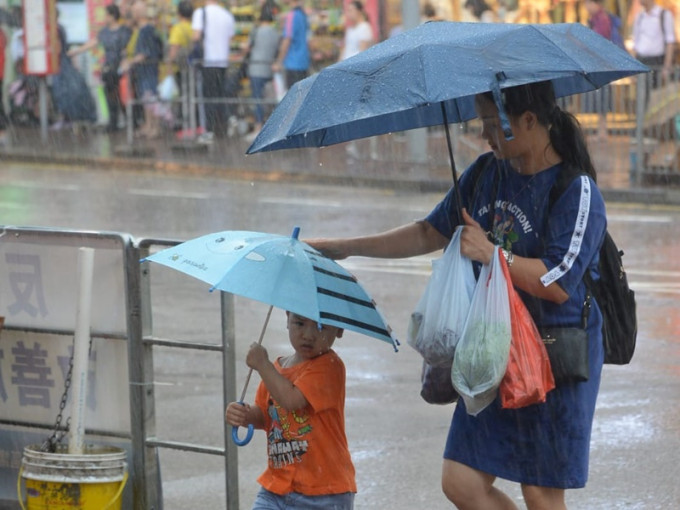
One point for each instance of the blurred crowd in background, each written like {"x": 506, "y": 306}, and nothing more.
{"x": 138, "y": 61}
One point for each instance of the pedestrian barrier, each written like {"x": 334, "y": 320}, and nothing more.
{"x": 93, "y": 480}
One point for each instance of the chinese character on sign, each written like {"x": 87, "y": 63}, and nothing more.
{"x": 26, "y": 284}
{"x": 32, "y": 375}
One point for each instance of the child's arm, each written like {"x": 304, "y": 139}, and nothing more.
{"x": 281, "y": 389}
{"x": 242, "y": 415}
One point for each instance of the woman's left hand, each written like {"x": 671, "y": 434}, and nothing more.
{"x": 473, "y": 241}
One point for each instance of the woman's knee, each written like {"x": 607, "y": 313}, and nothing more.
{"x": 543, "y": 498}
{"x": 462, "y": 484}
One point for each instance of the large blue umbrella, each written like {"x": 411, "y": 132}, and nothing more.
{"x": 430, "y": 75}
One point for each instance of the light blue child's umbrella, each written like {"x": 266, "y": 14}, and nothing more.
{"x": 280, "y": 271}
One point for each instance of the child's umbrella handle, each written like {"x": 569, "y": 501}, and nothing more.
{"x": 249, "y": 435}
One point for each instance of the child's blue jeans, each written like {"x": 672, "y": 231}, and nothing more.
{"x": 266, "y": 500}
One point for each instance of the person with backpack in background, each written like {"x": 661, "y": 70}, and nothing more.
{"x": 654, "y": 40}
{"x": 148, "y": 54}
{"x": 550, "y": 248}
{"x": 602, "y": 22}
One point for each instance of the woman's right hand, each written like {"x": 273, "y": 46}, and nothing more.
{"x": 332, "y": 248}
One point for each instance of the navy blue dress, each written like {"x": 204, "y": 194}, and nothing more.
{"x": 543, "y": 444}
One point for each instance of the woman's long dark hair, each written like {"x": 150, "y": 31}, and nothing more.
{"x": 565, "y": 132}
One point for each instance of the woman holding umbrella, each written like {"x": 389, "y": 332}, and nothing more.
{"x": 549, "y": 249}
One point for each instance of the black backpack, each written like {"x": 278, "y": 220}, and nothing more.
{"x": 612, "y": 293}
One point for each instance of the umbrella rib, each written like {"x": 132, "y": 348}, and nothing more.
{"x": 349, "y": 278}
{"x": 345, "y": 297}
{"x": 363, "y": 325}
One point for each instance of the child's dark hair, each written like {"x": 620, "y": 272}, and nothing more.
{"x": 565, "y": 132}
{"x": 113, "y": 11}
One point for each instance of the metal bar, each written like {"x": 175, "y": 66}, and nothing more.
{"x": 146, "y": 472}
{"x": 229, "y": 395}
{"x": 166, "y": 342}
{"x": 153, "y": 442}
{"x": 62, "y": 428}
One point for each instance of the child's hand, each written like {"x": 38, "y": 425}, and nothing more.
{"x": 257, "y": 356}
{"x": 237, "y": 414}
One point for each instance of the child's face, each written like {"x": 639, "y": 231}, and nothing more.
{"x": 307, "y": 339}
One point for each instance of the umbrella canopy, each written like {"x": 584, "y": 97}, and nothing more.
{"x": 280, "y": 271}
{"x": 430, "y": 75}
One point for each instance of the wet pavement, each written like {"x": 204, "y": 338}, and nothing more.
{"x": 395, "y": 438}
{"x": 381, "y": 162}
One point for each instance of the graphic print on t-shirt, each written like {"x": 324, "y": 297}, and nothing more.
{"x": 508, "y": 222}
{"x": 285, "y": 441}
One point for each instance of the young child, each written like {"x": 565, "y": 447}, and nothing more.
{"x": 300, "y": 403}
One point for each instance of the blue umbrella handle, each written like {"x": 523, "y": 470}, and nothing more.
{"x": 249, "y": 435}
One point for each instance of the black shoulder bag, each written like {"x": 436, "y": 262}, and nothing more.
{"x": 197, "y": 52}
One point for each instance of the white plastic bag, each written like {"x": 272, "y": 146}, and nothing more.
{"x": 167, "y": 89}
{"x": 279, "y": 86}
{"x": 482, "y": 352}
{"x": 438, "y": 319}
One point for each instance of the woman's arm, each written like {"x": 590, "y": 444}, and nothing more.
{"x": 83, "y": 48}
{"x": 408, "y": 240}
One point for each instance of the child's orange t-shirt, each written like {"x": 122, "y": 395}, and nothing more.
{"x": 307, "y": 449}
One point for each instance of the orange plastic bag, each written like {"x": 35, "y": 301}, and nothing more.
{"x": 125, "y": 89}
{"x": 528, "y": 377}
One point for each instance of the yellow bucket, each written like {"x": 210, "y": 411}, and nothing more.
{"x": 93, "y": 480}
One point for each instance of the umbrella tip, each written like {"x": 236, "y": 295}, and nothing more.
{"x": 296, "y": 232}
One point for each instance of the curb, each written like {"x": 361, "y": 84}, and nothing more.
{"x": 655, "y": 195}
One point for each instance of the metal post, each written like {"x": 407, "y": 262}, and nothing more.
{"x": 42, "y": 104}
{"x": 639, "y": 150}
{"x": 130, "y": 121}
{"x": 146, "y": 480}
{"x": 229, "y": 395}
{"x": 192, "y": 99}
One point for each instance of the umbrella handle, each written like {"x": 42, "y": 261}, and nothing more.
{"x": 249, "y": 434}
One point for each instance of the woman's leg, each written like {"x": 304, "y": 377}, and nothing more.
{"x": 470, "y": 489}
{"x": 543, "y": 498}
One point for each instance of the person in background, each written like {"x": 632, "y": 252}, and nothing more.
{"x": 481, "y": 11}
{"x": 71, "y": 95}
{"x": 358, "y": 31}
{"x": 144, "y": 67}
{"x": 654, "y": 39}
{"x": 544, "y": 447}
{"x": 113, "y": 38}
{"x": 264, "y": 45}
{"x": 179, "y": 45}
{"x": 300, "y": 404}
{"x": 294, "y": 57}
{"x": 217, "y": 32}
